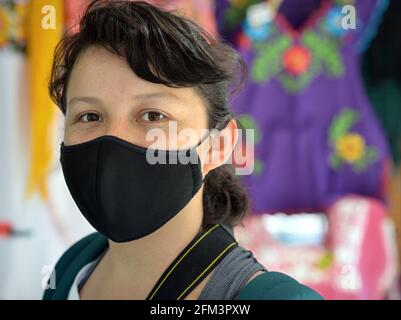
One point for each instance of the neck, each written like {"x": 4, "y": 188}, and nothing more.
{"x": 143, "y": 261}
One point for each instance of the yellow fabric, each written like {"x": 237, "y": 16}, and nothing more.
{"x": 41, "y": 41}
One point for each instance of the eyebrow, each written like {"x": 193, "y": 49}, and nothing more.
{"x": 154, "y": 95}
{"x": 74, "y": 100}
{"x": 143, "y": 96}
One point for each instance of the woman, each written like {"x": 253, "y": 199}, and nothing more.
{"x": 165, "y": 228}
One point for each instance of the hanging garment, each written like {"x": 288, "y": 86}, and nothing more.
{"x": 201, "y": 11}
{"x": 316, "y": 136}
{"x": 12, "y": 130}
{"x": 348, "y": 253}
{"x": 45, "y": 28}
{"x": 73, "y": 10}
{"x": 25, "y": 223}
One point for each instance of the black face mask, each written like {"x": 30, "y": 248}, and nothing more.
{"x": 120, "y": 193}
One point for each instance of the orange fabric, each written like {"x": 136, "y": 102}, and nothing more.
{"x": 45, "y": 27}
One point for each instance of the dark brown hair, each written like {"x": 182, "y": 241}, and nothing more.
{"x": 164, "y": 48}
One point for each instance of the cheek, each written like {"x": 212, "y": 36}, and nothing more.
{"x": 71, "y": 136}
{"x": 75, "y": 135}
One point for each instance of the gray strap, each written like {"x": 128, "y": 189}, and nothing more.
{"x": 232, "y": 273}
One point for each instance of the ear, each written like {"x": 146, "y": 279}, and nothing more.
{"x": 220, "y": 147}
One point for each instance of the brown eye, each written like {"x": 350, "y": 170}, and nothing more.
{"x": 90, "y": 117}
{"x": 152, "y": 116}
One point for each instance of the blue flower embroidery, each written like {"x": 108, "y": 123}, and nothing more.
{"x": 260, "y": 33}
{"x": 333, "y": 22}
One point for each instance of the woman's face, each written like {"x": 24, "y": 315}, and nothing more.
{"x": 105, "y": 97}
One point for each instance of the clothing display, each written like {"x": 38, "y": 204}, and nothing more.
{"x": 30, "y": 232}
{"x": 42, "y": 38}
{"x": 346, "y": 253}
{"x": 317, "y": 137}
{"x": 201, "y": 11}
{"x": 13, "y": 100}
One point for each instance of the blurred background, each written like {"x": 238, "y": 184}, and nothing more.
{"x": 323, "y": 96}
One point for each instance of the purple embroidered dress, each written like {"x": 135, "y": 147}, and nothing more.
{"x": 317, "y": 138}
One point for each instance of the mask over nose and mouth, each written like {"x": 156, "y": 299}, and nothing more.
{"x": 120, "y": 193}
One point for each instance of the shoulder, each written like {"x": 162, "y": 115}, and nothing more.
{"x": 276, "y": 286}
{"x": 84, "y": 246}
{"x": 78, "y": 255}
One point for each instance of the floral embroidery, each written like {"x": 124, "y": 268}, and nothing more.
{"x": 293, "y": 61}
{"x": 333, "y": 22}
{"x": 295, "y": 65}
{"x": 260, "y": 33}
{"x": 349, "y": 147}
{"x": 325, "y": 261}
{"x": 326, "y": 53}
{"x": 243, "y": 41}
{"x": 12, "y": 31}
{"x": 236, "y": 12}
{"x": 263, "y": 67}
{"x": 296, "y": 60}
{"x": 238, "y": 3}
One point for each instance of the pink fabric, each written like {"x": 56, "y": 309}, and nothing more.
{"x": 354, "y": 262}
{"x": 201, "y": 11}
{"x": 73, "y": 12}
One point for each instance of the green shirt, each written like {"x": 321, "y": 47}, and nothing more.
{"x": 266, "y": 286}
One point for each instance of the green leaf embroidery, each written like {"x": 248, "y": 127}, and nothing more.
{"x": 342, "y": 124}
{"x": 268, "y": 61}
{"x": 327, "y": 50}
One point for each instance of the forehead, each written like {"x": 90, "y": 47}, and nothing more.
{"x": 104, "y": 74}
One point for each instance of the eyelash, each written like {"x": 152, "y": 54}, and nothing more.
{"x": 79, "y": 118}
{"x": 163, "y": 117}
